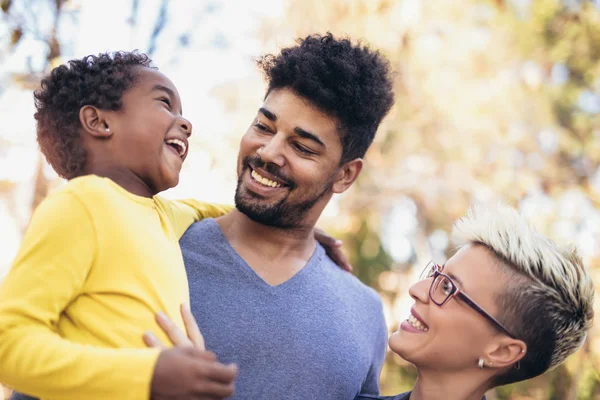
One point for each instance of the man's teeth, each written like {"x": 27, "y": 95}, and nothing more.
{"x": 416, "y": 323}
{"x": 263, "y": 180}
{"x": 180, "y": 144}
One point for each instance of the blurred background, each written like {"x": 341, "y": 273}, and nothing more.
{"x": 496, "y": 100}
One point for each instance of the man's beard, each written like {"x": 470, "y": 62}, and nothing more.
{"x": 281, "y": 214}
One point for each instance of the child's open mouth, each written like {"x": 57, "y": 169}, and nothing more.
{"x": 178, "y": 145}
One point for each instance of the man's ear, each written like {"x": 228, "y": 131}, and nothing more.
{"x": 93, "y": 122}
{"x": 347, "y": 175}
{"x": 506, "y": 353}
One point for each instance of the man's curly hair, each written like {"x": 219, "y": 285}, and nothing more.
{"x": 350, "y": 82}
{"x": 98, "y": 81}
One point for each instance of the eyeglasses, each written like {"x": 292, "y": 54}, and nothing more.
{"x": 443, "y": 289}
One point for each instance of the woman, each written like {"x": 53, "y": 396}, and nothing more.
{"x": 507, "y": 307}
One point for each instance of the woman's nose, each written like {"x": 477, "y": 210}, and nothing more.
{"x": 420, "y": 290}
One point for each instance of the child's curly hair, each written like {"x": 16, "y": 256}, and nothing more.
{"x": 349, "y": 81}
{"x": 98, "y": 81}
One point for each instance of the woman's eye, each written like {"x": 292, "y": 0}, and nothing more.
{"x": 166, "y": 101}
{"x": 447, "y": 288}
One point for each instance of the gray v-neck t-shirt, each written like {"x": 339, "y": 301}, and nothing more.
{"x": 319, "y": 335}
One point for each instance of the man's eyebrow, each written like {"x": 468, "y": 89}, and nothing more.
{"x": 299, "y": 131}
{"x": 167, "y": 90}
{"x": 268, "y": 114}
{"x": 307, "y": 135}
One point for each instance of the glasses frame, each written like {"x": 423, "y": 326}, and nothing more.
{"x": 457, "y": 292}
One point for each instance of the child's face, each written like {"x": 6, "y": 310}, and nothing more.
{"x": 149, "y": 135}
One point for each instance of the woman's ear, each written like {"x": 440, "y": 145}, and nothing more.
{"x": 93, "y": 122}
{"x": 505, "y": 353}
{"x": 347, "y": 175}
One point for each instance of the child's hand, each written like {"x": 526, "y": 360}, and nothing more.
{"x": 189, "y": 373}
{"x": 187, "y": 370}
{"x": 193, "y": 338}
{"x": 333, "y": 249}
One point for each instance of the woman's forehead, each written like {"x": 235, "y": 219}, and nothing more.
{"x": 475, "y": 270}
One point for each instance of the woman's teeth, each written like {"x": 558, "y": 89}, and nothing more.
{"x": 267, "y": 182}
{"x": 416, "y": 323}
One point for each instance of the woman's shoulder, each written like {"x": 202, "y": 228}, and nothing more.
{"x": 401, "y": 396}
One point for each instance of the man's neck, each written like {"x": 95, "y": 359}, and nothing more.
{"x": 275, "y": 254}
{"x": 434, "y": 385}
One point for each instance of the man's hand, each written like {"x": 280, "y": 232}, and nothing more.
{"x": 187, "y": 371}
{"x": 333, "y": 249}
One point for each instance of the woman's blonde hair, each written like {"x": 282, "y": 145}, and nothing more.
{"x": 548, "y": 300}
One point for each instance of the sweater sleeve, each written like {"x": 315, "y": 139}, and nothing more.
{"x": 184, "y": 213}
{"x": 55, "y": 257}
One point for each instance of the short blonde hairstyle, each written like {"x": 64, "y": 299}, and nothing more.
{"x": 548, "y": 302}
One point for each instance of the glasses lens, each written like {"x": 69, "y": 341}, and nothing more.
{"x": 441, "y": 289}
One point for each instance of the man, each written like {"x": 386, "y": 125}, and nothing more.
{"x": 262, "y": 290}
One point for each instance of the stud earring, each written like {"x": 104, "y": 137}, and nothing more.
{"x": 481, "y": 363}
{"x": 107, "y": 129}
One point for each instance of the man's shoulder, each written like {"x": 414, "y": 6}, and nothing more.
{"x": 206, "y": 226}
{"x": 203, "y": 239}
{"x": 350, "y": 284}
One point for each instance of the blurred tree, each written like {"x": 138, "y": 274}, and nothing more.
{"x": 23, "y": 19}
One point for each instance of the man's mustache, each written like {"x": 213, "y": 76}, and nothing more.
{"x": 256, "y": 162}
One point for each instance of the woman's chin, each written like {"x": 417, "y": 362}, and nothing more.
{"x": 404, "y": 345}
{"x": 397, "y": 343}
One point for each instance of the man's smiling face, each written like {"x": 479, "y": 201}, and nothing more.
{"x": 288, "y": 162}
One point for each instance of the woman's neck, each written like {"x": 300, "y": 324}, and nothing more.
{"x": 435, "y": 385}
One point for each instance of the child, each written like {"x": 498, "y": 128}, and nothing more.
{"x": 101, "y": 256}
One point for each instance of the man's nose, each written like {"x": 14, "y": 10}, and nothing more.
{"x": 272, "y": 151}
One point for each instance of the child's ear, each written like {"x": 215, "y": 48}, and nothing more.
{"x": 93, "y": 122}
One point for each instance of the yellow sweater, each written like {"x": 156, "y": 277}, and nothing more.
{"x": 94, "y": 267}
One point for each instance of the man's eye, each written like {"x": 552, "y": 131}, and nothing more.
{"x": 303, "y": 149}
{"x": 261, "y": 127}
{"x": 166, "y": 101}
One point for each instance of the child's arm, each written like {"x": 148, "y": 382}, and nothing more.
{"x": 184, "y": 213}
{"x": 49, "y": 272}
